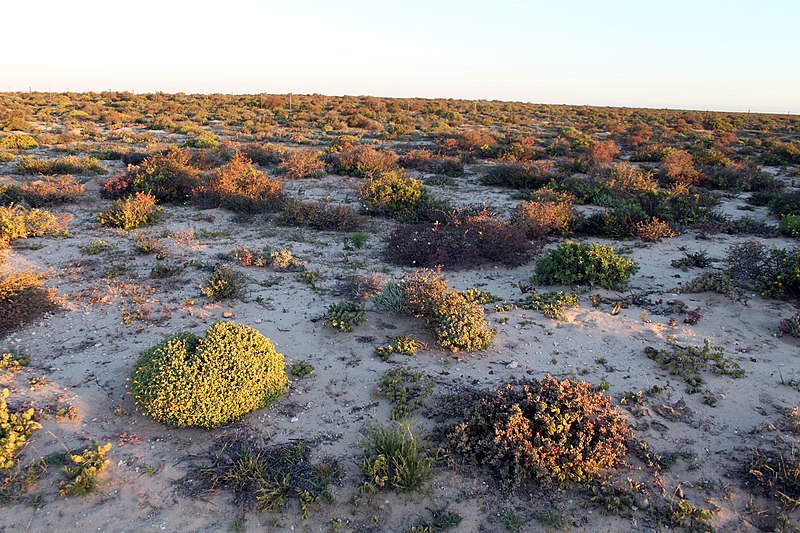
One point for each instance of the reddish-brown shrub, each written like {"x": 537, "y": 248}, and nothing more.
{"x": 548, "y": 212}
{"x": 23, "y": 299}
{"x": 362, "y": 161}
{"x": 425, "y": 161}
{"x": 117, "y": 186}
{"x": 51, "y": 190}
{"x": 241, "y": 187}
{"x": 603, "y": 152}
{"x": 678, "y": 167}
{"x": 654, "y": 230}
{"x": 474, "y": 140}
{"x": 299, "y": 164}
{"x": 543, "y": 429}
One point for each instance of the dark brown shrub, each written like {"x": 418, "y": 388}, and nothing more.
{"x": 466, "y": 238}
{"x": 543, "y": 429}
{"x": 23, "y": 299}
{"x": 264, "y": 154}
{"x": 319, "y": 215}
{"x": 520, "y": 175}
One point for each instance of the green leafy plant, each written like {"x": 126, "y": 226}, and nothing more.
{"x": 82, "y": 475}
{"x": 402, "y": 345}
{"x": 391, "y": 193}
{"x": 345, "y": 315}
{"x": 790, "y": 225}
{"x": 690, "y": 362}
{"x": 546, "y": 428}
{"x": 791, "y": 325}
{"x": 19, "y": 222}
{"x": 301, "y": 370}
{"x": 551, "y": 304}
{"x": 208, "y": 381}
{"x": 405, "y": 390}
{"x": 224, "y": 282}
{"x": 575, "y": 262}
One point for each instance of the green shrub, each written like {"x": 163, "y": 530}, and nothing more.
{"x": 136, "y": 210}
{"x": 168, "y": 176}
{"x": 405, "y": 390}
{"x": 575, "y": 262}
{"x": 392, "y": 194}
{"x": 394, "y": 458}
{"x": 64, "y": 165}
{"x": 773, "y": 272}
{"x": 345, "y": 315}
{"x": 208, "y": 381}
{"x": 204, "y": 139}
{"x": 551, "y": 304}
{"x": 402, "y": 345}
{"x": 15, "y": 428}
{"x": 790, "y": 225}
{"x": 224, "y": 282}
{"x": 689, "y": 362}
{"x": 459, "y": 325}
{"x": 543, "y": 429}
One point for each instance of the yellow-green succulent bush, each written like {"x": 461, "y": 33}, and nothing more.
{"x": 208, "y": 381}
{"x": 15, "y": 428}
{"x": 83, "y": 472}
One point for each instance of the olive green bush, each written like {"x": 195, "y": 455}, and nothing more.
{"x": 576, "y": 262}
{"x": 138, "y": 209}
{"x": 208, "y": 381}
{"x": 15, "y": 428}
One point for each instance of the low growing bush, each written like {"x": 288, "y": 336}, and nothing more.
{"x": 548, "y": 212}
{"x": 392, "y": 194}
{"x": 208, "y": 381}
{"x": 575, "y": 262}
{"x": 543, "y": 429}
{"x": 23, "y": 299}
{"x": 138, "y": 209}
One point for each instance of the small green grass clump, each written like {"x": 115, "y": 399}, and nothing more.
{"x": 394, "y": 458}
{"x": 84, "y": 470}
{"x": 777, "y": 474}
{"x": 576, "y": 262}
{"x": 344, "y": 316}
{"x": 302, "y": 369}
{"x": 269, "y": 477}
{"x": 208, "y": 381}
{"x": 791, "y": 325}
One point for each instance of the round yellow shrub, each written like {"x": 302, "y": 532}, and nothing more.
{"x": 208, "y": 381}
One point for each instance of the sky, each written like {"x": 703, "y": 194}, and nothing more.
{"x": 729, "y": 55}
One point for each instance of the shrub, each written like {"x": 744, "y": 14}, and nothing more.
{"x": 394, "y": 458}
{"x": 65, "y": 165}
{"x": 208, "y": 381}
{"x": 465, "y": 238}
{"x": 300, "y": 164}
{"x": 15, "y": 428}
{"x": 168, "y": 176}
{"x": 17, "y": 141}
{"x": 520, "y": 175}
{"x": 23, "y": 299}
{"x": 543, "y": 429}
{"x": 548, "y": 212}
{"x": 790, "y": 225}
{"x": 773, "y": 272}
{"x": 264, "y": 154}
{"x": 402, "y": 345}
{"x": 689, "y": 362}
{"x": 405, "y": 390}
{"x": 626, "y": 178}
{"x": 678, "y": 167}
{"x": 575, "y": 262}
{"x": 204, "y": 139}
{"x": 241, "y": 187}
{"x": 83, "y": 473}
{"x": 551, "y": 304}
{"x": 138, "y": 209}
{"x": 424, "y": 161}
{"x": 362, "y": 161}
{"x": 345, "y": 315}
{"x": 603, "y": 152}
{"x": 654, "y": 230}
{"x": 225, "y": 282}
{"x": 392, "y": 194}
{"x": 458, "y": 324}
{"x": 51, "y": 190}
{"x": 319, "y": 215}
{"x": 18, "y": 222}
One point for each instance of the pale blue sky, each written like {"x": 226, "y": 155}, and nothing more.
{"x": 701, "y": 54}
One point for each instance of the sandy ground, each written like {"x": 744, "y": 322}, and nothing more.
{"x": 86, "y": 353}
